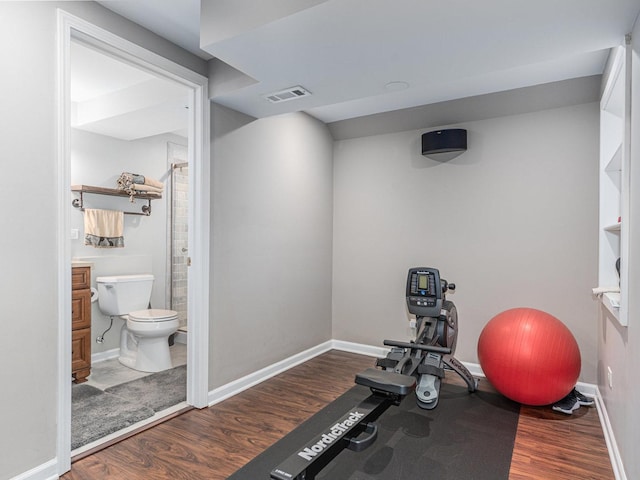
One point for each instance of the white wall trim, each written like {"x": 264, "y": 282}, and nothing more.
{"x": 106, "y": 355}
{"x": 609, "y": 437}
{"x": 63, "y": 440}
{"x": 46, "y": 471}
{"x": 374, "y": 351}
{"x": 233, "y": 388}
{"x": 70, "y": 26}
{"x": 474, "y": 369}
{"x": 589, "y": 389}
{"x": 362, "y": 349}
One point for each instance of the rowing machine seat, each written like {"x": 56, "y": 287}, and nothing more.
{"x": 386, "y": 381}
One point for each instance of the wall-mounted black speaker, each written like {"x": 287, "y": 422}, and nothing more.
{"x": 444, "y": 141}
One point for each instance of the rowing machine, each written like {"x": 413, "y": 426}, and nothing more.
{"x": 436, "y": 326}
{"x": 421, "y": 362}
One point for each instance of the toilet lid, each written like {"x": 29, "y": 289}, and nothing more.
{"x": 153, "y": 315}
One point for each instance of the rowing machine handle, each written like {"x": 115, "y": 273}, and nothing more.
{"x": 360, "y": 444}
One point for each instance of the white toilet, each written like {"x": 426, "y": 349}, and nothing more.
{"x": 144, "y": 339}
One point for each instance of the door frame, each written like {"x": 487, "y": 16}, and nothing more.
{"x": 68, "y": 27}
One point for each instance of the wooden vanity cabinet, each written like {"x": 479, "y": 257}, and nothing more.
{"x": 80, "y": 323}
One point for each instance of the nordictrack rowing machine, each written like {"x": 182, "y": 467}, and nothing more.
{"x": 421, "y": 362}
{"x": 432, "y": 352}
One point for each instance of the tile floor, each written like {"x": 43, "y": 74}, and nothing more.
{"x": 111, "y": 372}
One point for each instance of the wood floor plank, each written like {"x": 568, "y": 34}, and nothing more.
{"x": 554, "y": 445}
{"x": 214, "y": 442}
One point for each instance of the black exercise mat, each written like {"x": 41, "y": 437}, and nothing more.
{"x": 467, "y": 436}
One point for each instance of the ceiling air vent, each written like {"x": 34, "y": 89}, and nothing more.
{"x": 290, "y": 93}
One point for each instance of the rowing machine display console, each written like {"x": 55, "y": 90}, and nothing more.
{"x": 424, "y": 292}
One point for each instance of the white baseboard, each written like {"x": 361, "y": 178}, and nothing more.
{"x": 106, "y": 355}
{"x": 589, "y": 389}
{"x": 380, "y": 352}
{"x": 609, "y": 437}
{"x": 46, "y": 471}
{"x": 181, "y": 337}
{"x": 359, "y": 348}
{"x": 233, "y": 388}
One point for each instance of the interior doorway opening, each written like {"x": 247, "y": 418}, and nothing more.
{"x": 124, "y": 121}
{"x": 76, "y": 29}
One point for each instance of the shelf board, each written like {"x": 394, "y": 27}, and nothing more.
{"x": 611, "y": 301}
{"x": 612, "y": 228}
{"x": 615, "y": 163}
{"x": 111, "y": 191}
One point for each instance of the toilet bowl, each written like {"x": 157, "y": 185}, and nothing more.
{"x": 144, "y": 344}
{"x": 144, "y": 338}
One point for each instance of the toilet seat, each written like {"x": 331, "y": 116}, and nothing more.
{"x": 153, "y": 315}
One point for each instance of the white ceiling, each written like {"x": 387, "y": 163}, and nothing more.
{"x": 113, "y": 98}
{"x": 347, "y": 52}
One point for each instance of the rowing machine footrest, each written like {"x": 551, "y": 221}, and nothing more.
{"x": 386, "y": 381}
{"x": 431, "y": 370}
{"x": 360, "y": 444}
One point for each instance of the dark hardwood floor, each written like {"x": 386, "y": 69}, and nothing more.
{"x": 214, "y": 442}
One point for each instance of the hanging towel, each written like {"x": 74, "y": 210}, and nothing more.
{"x": 103, "y": 228}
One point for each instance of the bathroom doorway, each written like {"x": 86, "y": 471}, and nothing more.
{"x": 125, "y": 121}
{"x": 72, "y": 30}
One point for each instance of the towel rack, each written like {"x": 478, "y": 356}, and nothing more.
{"x": 82, "y": 189}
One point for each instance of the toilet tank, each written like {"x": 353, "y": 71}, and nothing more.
{"x": 121, "y": 294}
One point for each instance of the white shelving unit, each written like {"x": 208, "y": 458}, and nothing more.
{"x": 615, "y": 114}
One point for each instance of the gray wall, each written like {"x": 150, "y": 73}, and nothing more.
{"x": 619, "y": 347}
{"x": 512, "y": 221}
{"x": 28, "y": 192}
{"x": 29, "y": 293}
{"x": 271, "y": 240}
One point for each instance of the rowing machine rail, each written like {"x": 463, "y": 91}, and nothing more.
{"x": 388, "y": 389}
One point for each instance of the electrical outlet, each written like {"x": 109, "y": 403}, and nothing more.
{"x": 610, "y": 377}
{"x": 74, "y": 234}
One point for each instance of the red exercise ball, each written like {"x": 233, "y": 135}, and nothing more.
{"x": 529, "y": 356}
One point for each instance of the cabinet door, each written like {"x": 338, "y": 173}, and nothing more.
{"x": 80, "y": 309}
{"x": 81, "y": 353}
